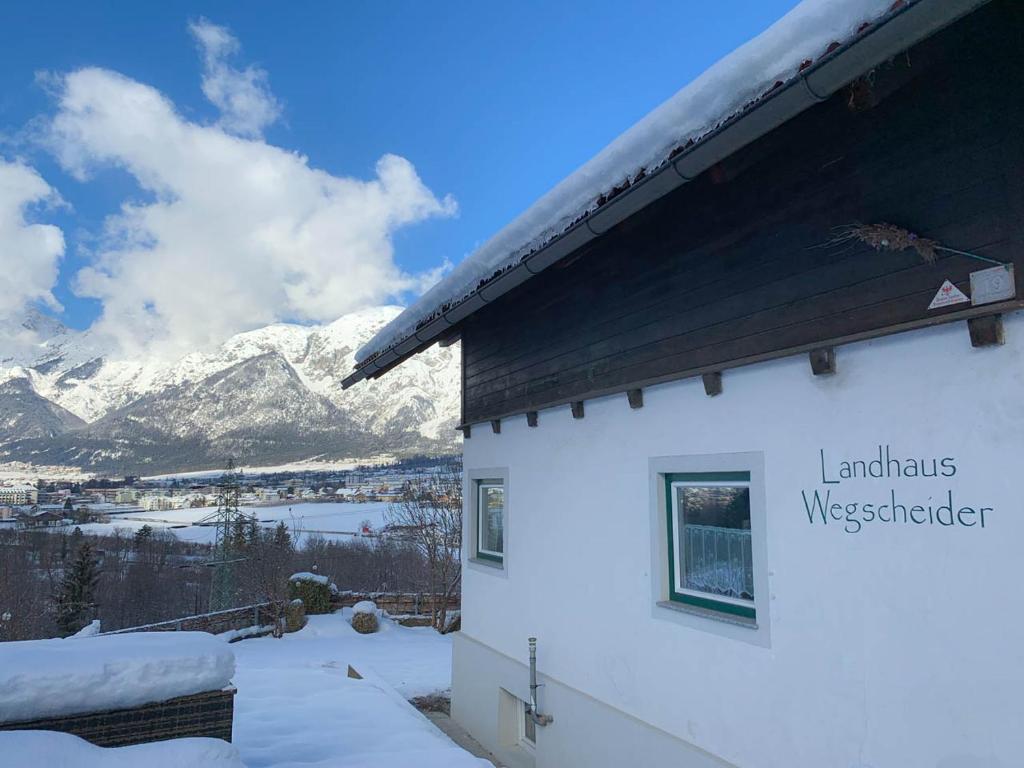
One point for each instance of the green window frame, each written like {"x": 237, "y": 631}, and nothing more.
{"x": 481, "y": 550}
{"x": 707, "y": 601}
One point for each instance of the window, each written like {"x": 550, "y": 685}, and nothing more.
{"x": 709, "y": 542}
{"x": 490, "y": 520}
{"x": 528, "y": 728}
{"x": 516, "y": 729}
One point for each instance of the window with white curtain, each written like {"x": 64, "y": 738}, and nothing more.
{"x": 709, "y": 541}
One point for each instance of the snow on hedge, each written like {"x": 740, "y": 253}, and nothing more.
{"x": 48, "y": 678}
{"x": 365, "y": 606}
{"x": 48, "y": 749}
{"x": 306, "y": 576}
{"x": 742, "y": 77}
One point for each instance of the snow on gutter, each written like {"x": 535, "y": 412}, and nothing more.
{"x": 674, "y": 144}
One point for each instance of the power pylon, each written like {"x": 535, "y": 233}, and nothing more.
{"x": 231, "y": 526}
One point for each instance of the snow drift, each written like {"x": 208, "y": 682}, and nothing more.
{"x": 48, "y": 749}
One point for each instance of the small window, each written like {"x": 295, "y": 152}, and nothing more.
{"x": 490, "y": 520}
{"x": 528, "y": 731}
{"x": 516, "y": 728}
{"x": 709, "y": 542}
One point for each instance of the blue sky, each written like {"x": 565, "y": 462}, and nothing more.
{"x": 492, "y": 104}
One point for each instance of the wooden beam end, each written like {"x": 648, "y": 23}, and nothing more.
{"x": 531, "y": 418}
{"x": 712, "y": 383}
{"x": 635, "y": 397}
{"x": 496, "y": 426}
{"x": 823, "y": 361}
{"x": 451, "y": 338}
{"x": 986, "y": 331}
{"x": 577, "y": 409}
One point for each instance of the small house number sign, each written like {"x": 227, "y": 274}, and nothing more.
{"x": 994, "y": 284}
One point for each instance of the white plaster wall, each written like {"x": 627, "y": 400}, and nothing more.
{"x": 587, "y": 733}
{"x": 899, "y": 646}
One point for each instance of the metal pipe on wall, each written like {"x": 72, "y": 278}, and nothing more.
{"x": 533, "y": 711}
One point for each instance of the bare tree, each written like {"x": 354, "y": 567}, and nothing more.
{"x": 26, "y": 610}
{"x": 367, "y": 564}
{"x": 150, "y": 578}
{"x": 269, "y": 561}
{"x": 429, "y": 516}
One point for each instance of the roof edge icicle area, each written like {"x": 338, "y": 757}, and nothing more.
{"x": 775, "y": 76}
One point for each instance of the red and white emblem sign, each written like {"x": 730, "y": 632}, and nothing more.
{"x": 948, "y": 295}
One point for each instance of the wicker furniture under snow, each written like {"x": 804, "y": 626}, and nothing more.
{"x": 119, "y": 690}
{"x": 202, "y": 714}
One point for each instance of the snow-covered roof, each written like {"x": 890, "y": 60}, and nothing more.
{"x": 789, "y": 51}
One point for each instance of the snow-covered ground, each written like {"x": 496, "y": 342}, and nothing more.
{"x": 310, "y": 465}
{"x": 332, "y": 520}
{"x": 46, "y": 749}
{"x": 297, "y": 707}
{"x": 21, "y": 472}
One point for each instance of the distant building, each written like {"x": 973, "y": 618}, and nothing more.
{"x": 126, "y": 496}
{"x": 40, "y": 518}
{"x": 161, "y": 503}
{"x": 18, "y": 494}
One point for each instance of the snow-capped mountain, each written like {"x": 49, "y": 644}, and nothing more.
{"x": 23, "y": 413}
{"x": 264, "y": 396}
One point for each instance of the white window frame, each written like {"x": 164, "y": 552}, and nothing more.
{"x": 481, "y": 487}
{"x": 471, "y": 478}
{"x": 678, "y": 564}
{"x": 524, "y": 740}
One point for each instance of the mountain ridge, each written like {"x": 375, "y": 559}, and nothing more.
{"x": 264, "y": 396}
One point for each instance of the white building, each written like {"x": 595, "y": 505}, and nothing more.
{"x": 742, "y": 451}
{"x": 158, "y": 503}
{"x": 18, "y": 494}
{"x": 126, "y": 496}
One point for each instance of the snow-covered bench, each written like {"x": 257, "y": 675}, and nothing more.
{"x": 117, "y": 690}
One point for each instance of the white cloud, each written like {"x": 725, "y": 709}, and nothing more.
{"x": 30, "y": 253}
{"x": 242, "y": 95}
{"x": 235, "y": 233}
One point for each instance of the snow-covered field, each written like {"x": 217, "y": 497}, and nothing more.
{"x": 310, "y": 465}
{"x": 332, "y": 520}
{"x": 296, "y": 706}
{"x": 20, "y": 472}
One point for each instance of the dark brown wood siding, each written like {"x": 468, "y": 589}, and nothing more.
{"x": 739, "y": 264}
